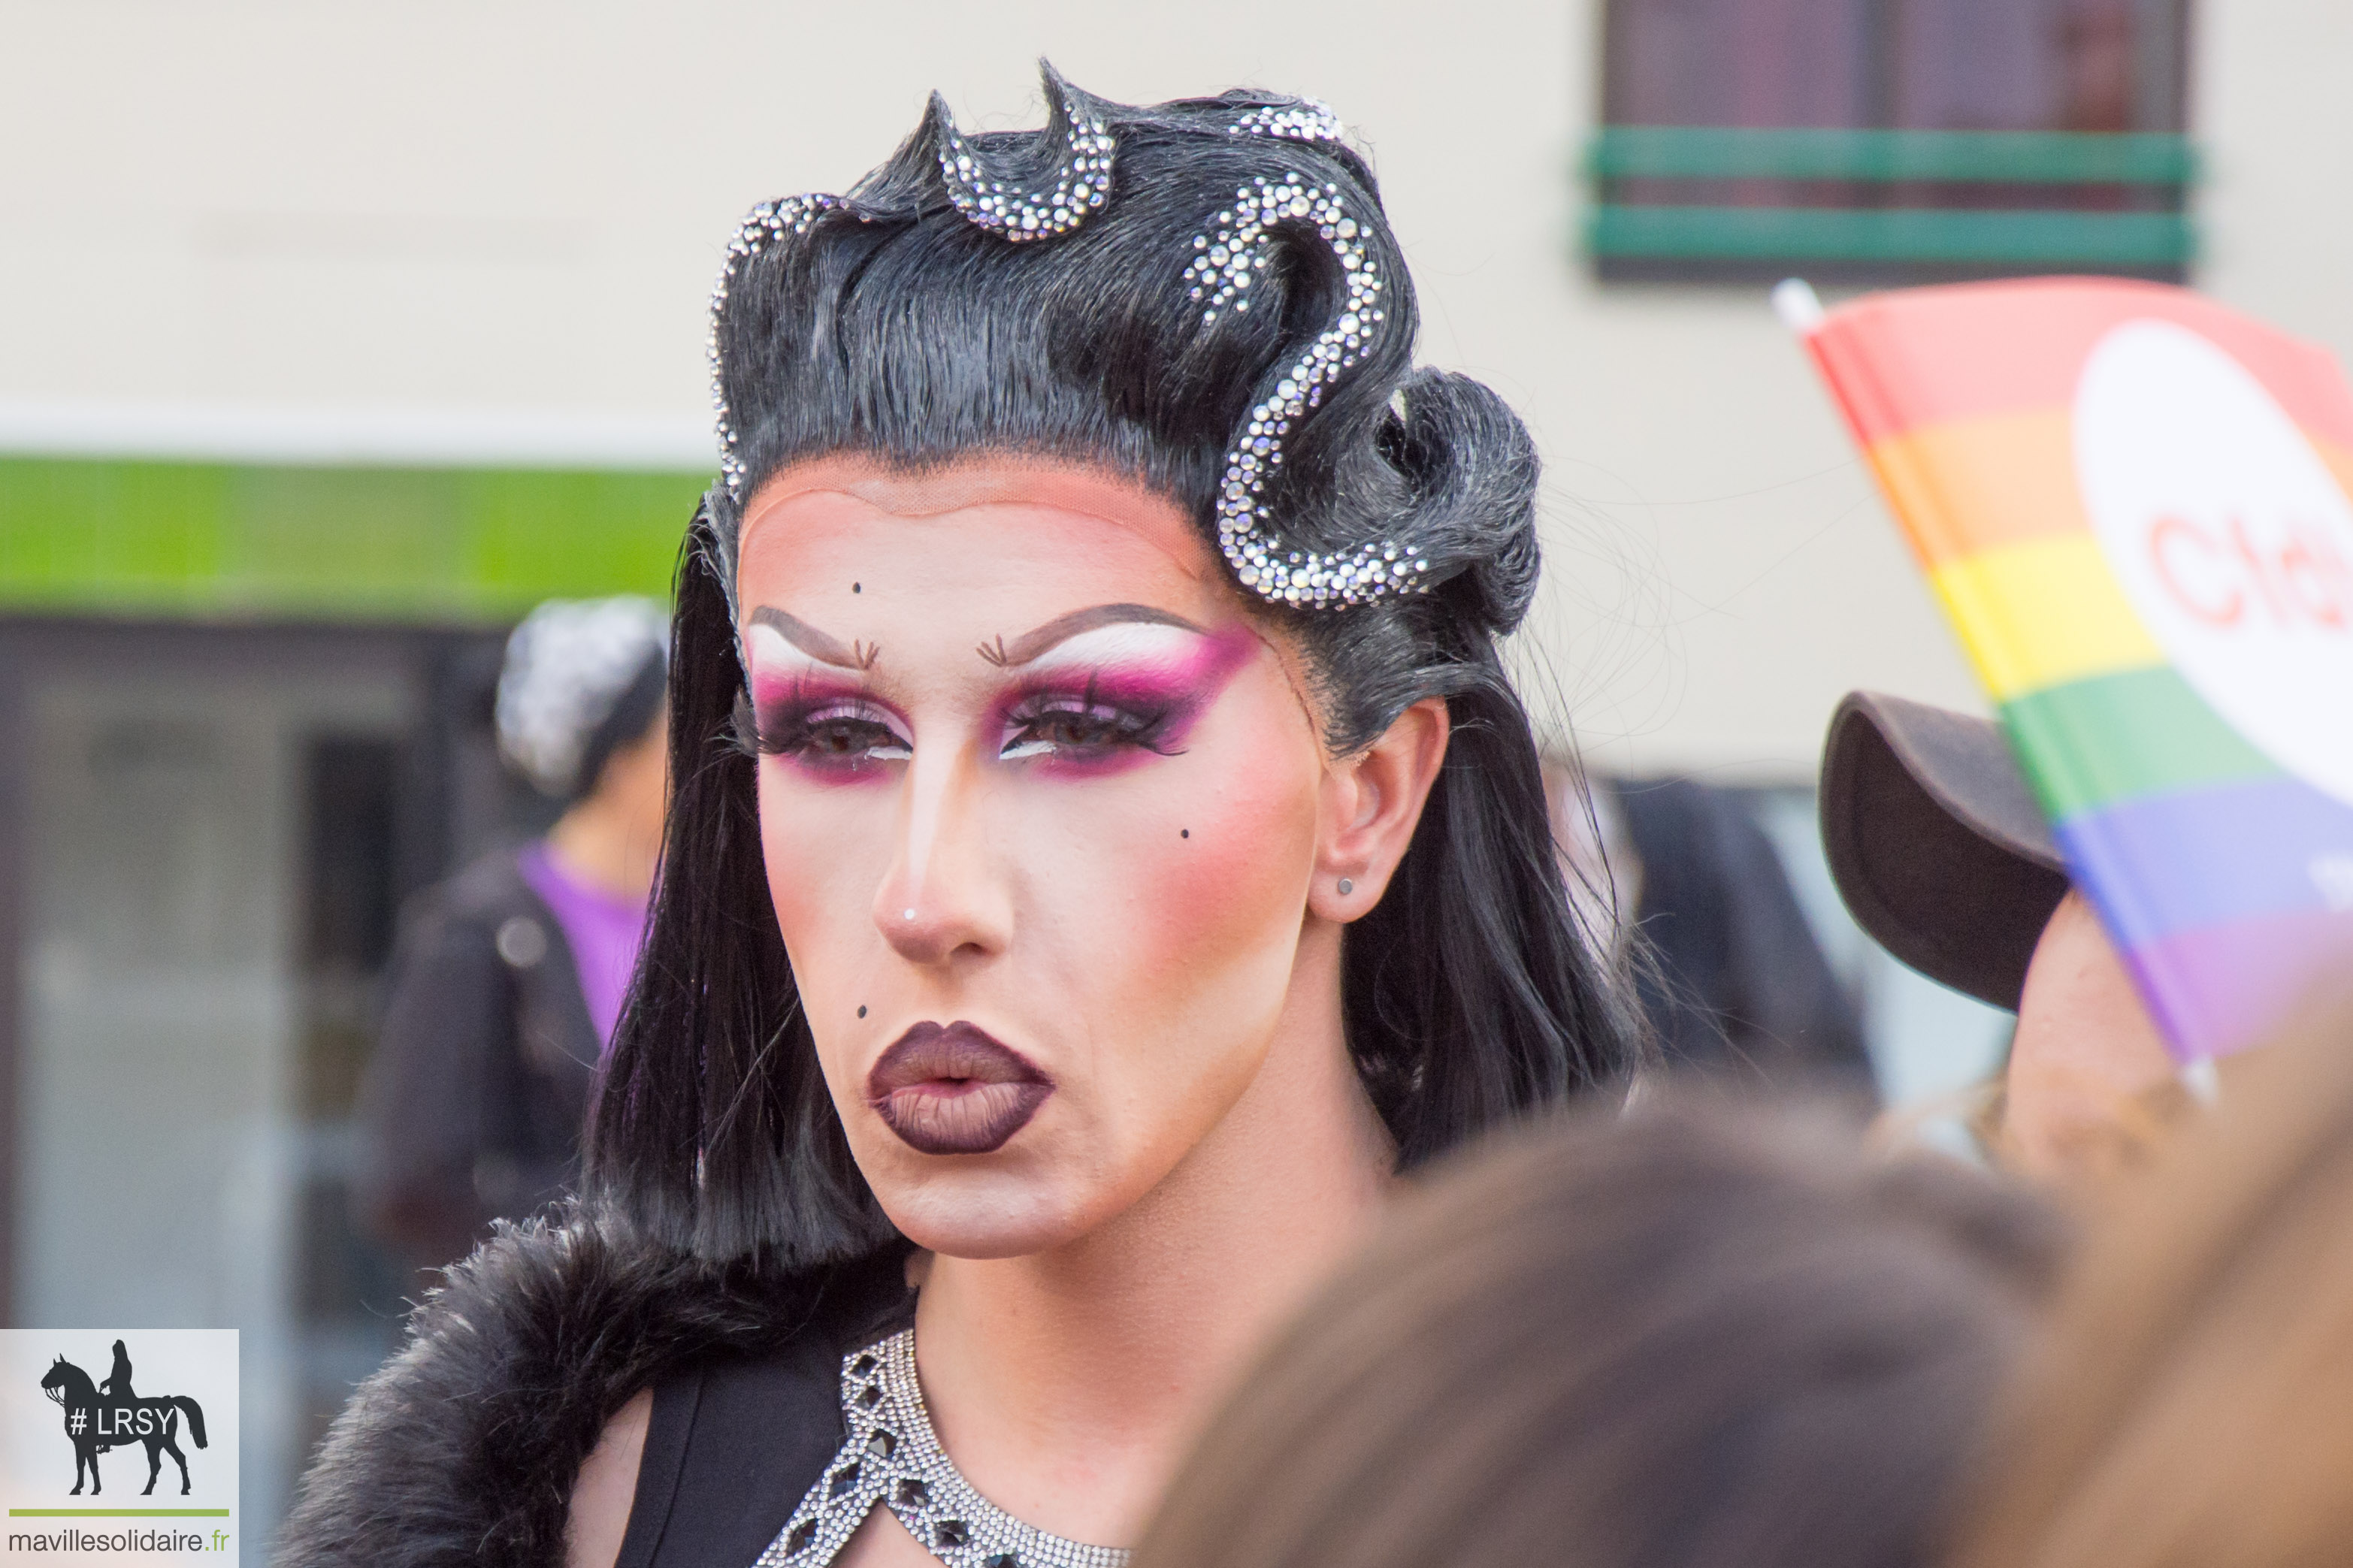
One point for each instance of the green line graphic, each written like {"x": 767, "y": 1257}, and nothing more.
{"x": 118, "y": 1513}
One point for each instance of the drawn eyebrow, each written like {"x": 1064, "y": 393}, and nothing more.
{"x": 815, "y": 642}
{"x": 1062, "y": 628}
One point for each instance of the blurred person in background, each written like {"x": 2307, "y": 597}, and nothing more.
{"x": 1703, "y": 1334}
{"x": 2192, "y": 1403}
{"x": 1942, "y": 854}
{"x": 1105, "y": 848}
{"x": 509, "y": 976}
{"x": 1730, "y": 976}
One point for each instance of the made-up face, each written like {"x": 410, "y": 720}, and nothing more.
{"x": 1042, "y": 806}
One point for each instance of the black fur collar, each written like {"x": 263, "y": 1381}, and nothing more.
{"x": 463, "y": 1448}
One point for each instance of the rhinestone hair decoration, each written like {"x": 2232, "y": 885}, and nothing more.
{"x": 768, "y": 223}
{"x": 1306, "y": 120}
{"x": 1081, "y": 182}
{"x": 893, "y": 1457}
{"x": 1225, "y": 265}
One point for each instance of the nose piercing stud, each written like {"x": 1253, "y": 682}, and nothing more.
{"x": 1346, "y": 886}
{"x": 909, "y": 915}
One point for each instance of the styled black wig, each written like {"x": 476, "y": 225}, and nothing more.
{"x": 1204, "y": 296}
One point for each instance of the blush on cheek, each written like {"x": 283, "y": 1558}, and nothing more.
{"x": 1227, "y": 880}
{"x": 1229, "y": 860}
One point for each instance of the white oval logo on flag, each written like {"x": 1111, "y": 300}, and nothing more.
{"x": 2230, "y": 536}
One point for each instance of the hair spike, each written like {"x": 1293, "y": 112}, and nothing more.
{"x": 1019, "y": 202}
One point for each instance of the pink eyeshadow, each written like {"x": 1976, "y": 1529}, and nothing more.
{"x": 1194, "y": 679}
{"x": 1183, "y": 686}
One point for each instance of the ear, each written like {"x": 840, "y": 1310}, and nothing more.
{"x": 1372, "y": 803}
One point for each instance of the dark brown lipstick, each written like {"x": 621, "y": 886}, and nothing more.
{"x": 952, "y": 1090}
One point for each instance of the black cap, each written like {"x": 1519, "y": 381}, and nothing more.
{"x": 1936, "y": 843}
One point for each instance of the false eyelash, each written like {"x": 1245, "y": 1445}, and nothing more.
{"x": 1131, "y": 725}
{"x": 746, "y": 738}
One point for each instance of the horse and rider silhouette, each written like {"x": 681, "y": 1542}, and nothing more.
{"x": 112, "y": 1416}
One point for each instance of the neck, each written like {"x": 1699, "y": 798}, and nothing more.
{"x": 1065, "y": 1384}
{"x": 602, "y": 843}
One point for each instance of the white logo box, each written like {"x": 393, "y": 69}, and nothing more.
{"x": 181, "y": 1384}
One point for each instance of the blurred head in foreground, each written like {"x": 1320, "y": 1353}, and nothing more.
{"x": 1682, "y": 1339}
{"x": 2194, "y": 1402}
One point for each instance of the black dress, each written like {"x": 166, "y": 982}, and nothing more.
{"x": 734, "y": 1443}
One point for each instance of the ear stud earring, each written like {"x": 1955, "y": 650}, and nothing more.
{"x": 1346, "y": 886}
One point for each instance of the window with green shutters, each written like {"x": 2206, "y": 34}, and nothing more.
{"x": 1891, "y": 140}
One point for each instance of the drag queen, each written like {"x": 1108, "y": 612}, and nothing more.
{"x": 1105, "y": 852}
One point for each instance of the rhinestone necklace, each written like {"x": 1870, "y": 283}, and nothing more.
{"x": 893, "y": 1457}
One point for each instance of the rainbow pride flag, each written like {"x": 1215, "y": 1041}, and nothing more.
{"x": 2133, "y": 504}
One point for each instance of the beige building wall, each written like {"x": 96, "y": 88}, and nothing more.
{"x": 2274, "y": 119}
{"x": 518, "y": 207}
